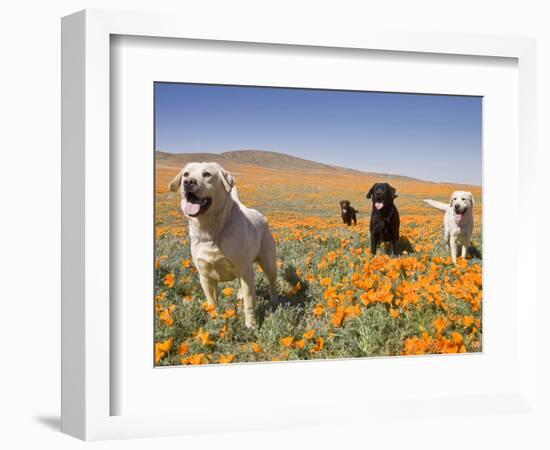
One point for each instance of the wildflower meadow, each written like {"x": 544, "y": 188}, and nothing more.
{"x": 336, "y": 300}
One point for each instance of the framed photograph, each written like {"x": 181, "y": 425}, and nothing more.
{"x": 354, "y": 258}
{"x": 255, "y": 220}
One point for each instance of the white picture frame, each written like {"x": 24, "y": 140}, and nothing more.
{"x": 86, "y": 221}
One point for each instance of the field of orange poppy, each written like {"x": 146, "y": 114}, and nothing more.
{"x": 336, "y": 299}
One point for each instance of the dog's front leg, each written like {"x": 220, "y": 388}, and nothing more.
{"x": 465, "y": 246}
{"x": 394, "y": 248}
{"x": 373, "y": 244}
{"x": 452, "y": 248}
{"x": 209, "y": 288}
{"x": 249, "y": 297}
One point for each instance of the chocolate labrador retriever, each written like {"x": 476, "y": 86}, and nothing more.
{"x": 384, "y": 220}
{"x": 348, "y": 212}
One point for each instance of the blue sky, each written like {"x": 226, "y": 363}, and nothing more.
{"x": 431, "y": 137}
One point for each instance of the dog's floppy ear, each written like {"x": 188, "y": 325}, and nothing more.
{"x": 342, "y": 203}
{"x": 227, "y": 179}
{"x": 176, "y": 182}
{"x": 393, "y": 191}
{"x": 471, "y": 198}
{"x": 369, "y": 194}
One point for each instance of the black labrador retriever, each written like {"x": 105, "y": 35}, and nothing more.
{"x": 348, "y": 212}
{"x": 384, "y": 220}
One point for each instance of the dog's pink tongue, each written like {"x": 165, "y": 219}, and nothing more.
{"x": 379, "y": 205}
{"x": 191, "y": 208}
{"x": 458, "y": 217}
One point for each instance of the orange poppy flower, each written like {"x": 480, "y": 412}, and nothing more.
{"x": 319, "y": 310}
{"x": 223, "y": 332}
{"x": 169, "y": 280}
{"x": 229, "y": 314}
{"x": 161, "y": 348}
{"x": 166, "y": 345}
{"x": 183, "y": 348}
{"x": 287, "y": 341}
{"x": 204, "y": 337}
{"x": 228, "y": 291}
{"x": 338, "y": 317}
{"x": 457, "y": 338}
{"x": 210, "y": 309}
{"x": 195, "y": 360}
{"x": 226, "y": 359}
{"x": 319, "y": 344}
{"x": 256, "y": 348}
{"x": 440, "y": 324}
{"x": 309, "y": 334}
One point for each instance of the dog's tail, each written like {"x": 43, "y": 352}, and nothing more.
{"x": 437, "y": 205}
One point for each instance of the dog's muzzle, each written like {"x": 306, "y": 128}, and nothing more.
{"x": 194, "y": 205}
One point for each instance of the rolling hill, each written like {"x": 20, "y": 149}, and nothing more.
{"x": 233, "y": 160}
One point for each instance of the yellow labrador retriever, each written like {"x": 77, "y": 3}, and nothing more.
{"x": 226, "y": 237}
{"x": 458, "y": 221}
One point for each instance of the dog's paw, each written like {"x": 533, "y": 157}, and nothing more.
{"x": 250, "y": 322}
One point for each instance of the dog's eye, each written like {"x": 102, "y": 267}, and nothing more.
{"x": 186, "y": 174}
{"x": 463, "y": 199}
{"x": 454, "y": 198}
{"x": 206, "y": 174}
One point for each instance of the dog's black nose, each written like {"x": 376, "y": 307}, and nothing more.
{"x": 189, "y": 183}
